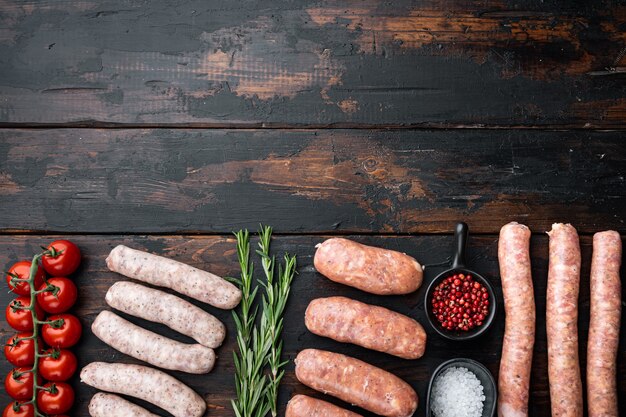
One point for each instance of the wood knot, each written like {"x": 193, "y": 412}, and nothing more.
{"x": 370, "y": 164}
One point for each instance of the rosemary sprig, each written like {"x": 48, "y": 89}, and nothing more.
{"x": 274, "y": 301}
{"x": 258, "y": 365}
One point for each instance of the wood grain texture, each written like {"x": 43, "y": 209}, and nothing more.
{"x": 172, "y": 181}
{"x": 283, "y": 62}
{"x": 217, "y": 253}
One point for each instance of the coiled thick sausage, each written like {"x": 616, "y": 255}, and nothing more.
{"x": 604, "y": 324}
{"x": 356, "y": 382}
{"x": 375, "y": 270}
{"x": 150, "y": 347}
{"x": 372, "y": 327}
{"x": 519, "y": 332}
{"x": 145, "y": 383}
{"x": 170, "y": 310}
{"x": 566, "y": 394}
{"x": 305, "y": 406}
{"x": 163, "y": 272}
{"x": 109, "y": 405}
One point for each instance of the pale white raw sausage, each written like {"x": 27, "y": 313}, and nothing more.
{"x": 109, "y": 405}
{"x": 150, "y": 347}
{"x": 170, "y": 310}
{"x": 180, "y": 277}
{"x": 145, "y": 383}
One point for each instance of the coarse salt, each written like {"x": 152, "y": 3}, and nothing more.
{"x": 457, "y": 392}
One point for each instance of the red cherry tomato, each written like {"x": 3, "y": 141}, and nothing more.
{"x": 21, "y": 271}
{"x": 20, "y": 318}
{"x": 60, "y": 366}
{"x": 16, "y": 409}
{"x": 55, "y": 398}
{"x": 20, "y": 351}
{"x": 64, "y": 333}
{"x": 63, "y": 258}
{"x": 19, "y": 384}
{"x": 61, "y": 298}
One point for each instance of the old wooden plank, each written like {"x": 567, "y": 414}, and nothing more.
{"x": 300, "y": 62}
{"x": 309, "y": 181}
{"x": 217, "y": 253}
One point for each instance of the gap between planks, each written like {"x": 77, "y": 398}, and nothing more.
{"x": 337, "y": 126}
{"x": 18, "y": 233}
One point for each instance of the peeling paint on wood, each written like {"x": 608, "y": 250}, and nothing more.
{"x": 363, "y": 181}
{"x": 310, "y": 63}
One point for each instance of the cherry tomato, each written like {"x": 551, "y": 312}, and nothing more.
{"x": 19, "y": 384}
{"x": 63, "y": 259}
{"x": 21, "y": 271}
{"x": 55, "y": 398}
{"x": 61, "y": 298}
{"x": 63, "y": 334}
{"x": 16, "y": 409}
{"x": 20, "y": 351}
{"x": 60, "y": 366}
{"x": 20, "y": 318}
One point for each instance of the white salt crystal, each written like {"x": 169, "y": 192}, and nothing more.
{"x": 457, "y": 392}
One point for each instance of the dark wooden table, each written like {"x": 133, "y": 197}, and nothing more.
{"x": 166, "y": 125}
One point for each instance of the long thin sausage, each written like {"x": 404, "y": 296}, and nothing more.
{"x": 604, "y": 324}
{"x": 519, "y": 332}
{"x": 170, "y": 310}
{"x": 305, "y": 406}
{"x": 372, "y": 327}
{"x": 356, "y": 382}
{"x": 147, "y": 384}
{"x": 375, "y": 270}
{"x": 566, "y": 394}
{"x": 150, "y": 347}
{"x": 109, "y": 405}
{"x": 163, "y": 272}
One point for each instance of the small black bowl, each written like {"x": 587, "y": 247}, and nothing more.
{"x": 483, "y": 375}
{"x": 458, "y": 266}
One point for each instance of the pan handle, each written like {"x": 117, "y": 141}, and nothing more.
{"x": 460, "y": 237}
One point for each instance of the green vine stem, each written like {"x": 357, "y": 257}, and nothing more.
{"x": 35, "y": 336}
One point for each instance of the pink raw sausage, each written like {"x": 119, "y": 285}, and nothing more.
{"x": 566, "y": 393}
{"x": 305, "y": 406}
{"x": 372, "y": 327}
{"x": 519, "y": 332}
{"x": 375, "y": 270}
{"x": 356, "y": 382}
{"x": 604, "y": 324}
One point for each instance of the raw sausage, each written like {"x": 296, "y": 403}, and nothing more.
{"x": 305, "y": 406}
{"x": 170, "y": 310}
{"x": 604, "y": 324}
{"x": 375, "y": 270}
{"x": 150, "y": 347}
{"x": 145, "y": 383}
{"x": 373, "y": 327}
{"x": 566, "y": 394}
{"x": 356, "y": 382}
{"x": 109, "y": 405}
{"x": 519, "y": 332}
{"x": 163, "y": 272}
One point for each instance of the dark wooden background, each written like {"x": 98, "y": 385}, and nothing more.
{"x": 165, "y": 125}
